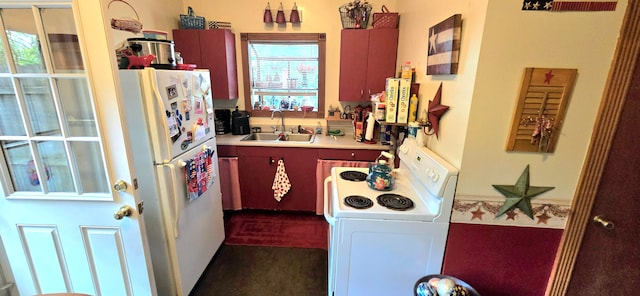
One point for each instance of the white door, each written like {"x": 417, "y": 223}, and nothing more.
{"x": 62, "y": 150}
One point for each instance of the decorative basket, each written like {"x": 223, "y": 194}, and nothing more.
{"x": 191, "y": 21}
{"x": 385, "y": 19}
{"x": 126, "y": 24}
{"x": 355, "y": 17}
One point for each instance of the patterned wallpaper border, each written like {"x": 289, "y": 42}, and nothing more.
{"x": 483, "y": 210}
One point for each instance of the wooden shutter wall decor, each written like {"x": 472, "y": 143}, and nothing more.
{"x": 538, "y": 118}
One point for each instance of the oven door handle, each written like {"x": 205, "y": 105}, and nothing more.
{"x": 327, "y": 216}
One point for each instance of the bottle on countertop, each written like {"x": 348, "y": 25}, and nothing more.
{"x": 413, "y": 108}
{"x": 406, "y": 71}
{"x": 371, "y": 123}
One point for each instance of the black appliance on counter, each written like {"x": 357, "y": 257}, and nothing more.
{"x": 223, "y": 121}
{"x": 240, "y": 122}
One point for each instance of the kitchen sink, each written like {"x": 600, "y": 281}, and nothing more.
{"x": 271, "y": 137}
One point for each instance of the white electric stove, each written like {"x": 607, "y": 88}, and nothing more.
{"x": 382, "y": 242}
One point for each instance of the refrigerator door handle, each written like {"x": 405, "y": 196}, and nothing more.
{"x": 176, "y": 211}
{"x": 159, "y": 112}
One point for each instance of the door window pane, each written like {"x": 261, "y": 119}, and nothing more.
{"x": 76, "y": 103}
{"x": 10, "y": 120}
{"x": 4, "y": 64}
{"x": 21, "y": 166}
{"x": 40, "y": 106}
{"x": 23, "y": 40}
{"x": 90, "y": 167}
{"x": 63, "y": 40}
{"x": 48, "y": 127}
{"x": 54, "y": 159}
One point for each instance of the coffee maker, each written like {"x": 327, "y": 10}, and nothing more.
{"x": 240, "y": 122}
{"x": 223, "y": 121}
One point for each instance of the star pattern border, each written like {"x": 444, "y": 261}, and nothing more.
{"x": 537, "y": 5}
{"x": 546, "y": 214}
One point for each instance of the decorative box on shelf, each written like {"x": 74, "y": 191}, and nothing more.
{"x": 332, "y": 115}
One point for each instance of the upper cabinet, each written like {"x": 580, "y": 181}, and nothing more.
{"x": 215, "y": 50}
{"x": 367, "y": 58}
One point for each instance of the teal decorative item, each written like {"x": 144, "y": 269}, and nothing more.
{"x": 519, "y": 195}
{"x": 380, "y": 175}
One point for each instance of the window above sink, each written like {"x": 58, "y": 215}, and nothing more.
{"x": 284, "y": 71}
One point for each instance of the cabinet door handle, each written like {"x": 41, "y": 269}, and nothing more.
{"x": 353, "y": 155}
{"x": 271, "y": 161}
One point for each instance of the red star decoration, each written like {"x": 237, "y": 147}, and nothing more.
{"x": 511, "y": 215}
{"x": 436, "y": 110}
{"x": 547, "y": 77}
{"x": 477, "y": 214}
{"x": 543, "y": 218}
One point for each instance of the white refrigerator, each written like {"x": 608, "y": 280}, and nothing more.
{"x": 171, "y": 128}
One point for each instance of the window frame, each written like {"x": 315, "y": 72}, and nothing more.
{"x": 319, "y": 38}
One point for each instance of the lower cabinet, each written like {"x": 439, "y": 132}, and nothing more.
{"x": 329, "y": 158}
{"x": 257, "y": 169}
{"x": 348, "y": 154}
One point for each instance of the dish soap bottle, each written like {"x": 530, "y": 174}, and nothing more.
{"x": 319, "y": 128}
{"x": 413, "y": 108}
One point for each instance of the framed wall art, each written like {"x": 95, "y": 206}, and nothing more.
{"x": 537, "y": 120}
{"x": 444, "y": 46}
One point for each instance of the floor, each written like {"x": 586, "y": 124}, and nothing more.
{"x": 265, "y": 271}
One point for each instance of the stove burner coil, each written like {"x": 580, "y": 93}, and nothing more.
{"x": 395, "y": 202}
{"x": 358, "y": 202}
{"x": 353, "y": 176}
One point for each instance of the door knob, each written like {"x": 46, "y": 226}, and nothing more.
{"x": 124, "y": 211}
{"x": 606, "y": 223}
{"x": 120, "y": 186}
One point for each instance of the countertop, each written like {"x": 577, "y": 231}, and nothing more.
{"x": 320, "y": 141}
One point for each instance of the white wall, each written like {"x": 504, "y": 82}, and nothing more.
{"x": 317, "y": 16}
{"x": 498, "y": 41}
{"x": 582, "y": 40}
{"x": 160, "y": 15}
{"x": 416, "y": 17}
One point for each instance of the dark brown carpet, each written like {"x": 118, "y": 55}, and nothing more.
{"x": 277, "y": 230}
{"x": 265, "y": 271}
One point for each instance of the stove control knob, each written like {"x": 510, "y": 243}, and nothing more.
{"x": 435, "y": 177}
{"x": 404, "y": 149}
{"x": 430, "y": 173}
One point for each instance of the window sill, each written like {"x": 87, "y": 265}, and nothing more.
{"x": 288, "y": 114}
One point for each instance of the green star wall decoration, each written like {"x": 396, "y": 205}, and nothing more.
{"x": 519, "y": 195}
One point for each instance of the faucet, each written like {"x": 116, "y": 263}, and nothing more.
{"x": 281, "y": 119}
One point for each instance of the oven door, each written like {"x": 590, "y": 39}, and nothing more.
{"x": 328, "y": 215}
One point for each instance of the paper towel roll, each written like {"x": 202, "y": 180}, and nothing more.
{"x": 420, "y": 137}
{"x": 371, "y": 123}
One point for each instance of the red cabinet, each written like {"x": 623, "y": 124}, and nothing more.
{"x": 348, "y": 154}
{"x": 227, "y": 151}
{"x": 258, "y": 168}
{"x": 367, "y": 58}
{"x": 215, "y": 50}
